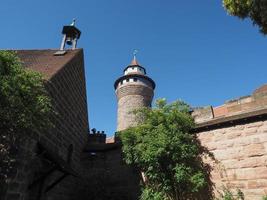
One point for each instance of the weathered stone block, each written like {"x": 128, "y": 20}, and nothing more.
{"x": 251, "y": 131}
{"x": 255, "y": 124}
{"x": 254, "y": 150}
{"x": 203, "y": 114}
{"x": 234, "y": 134}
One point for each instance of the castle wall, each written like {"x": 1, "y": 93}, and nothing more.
{"x": 236, "y": 133}
{"x": 110, "y": 177}
{"x": 131, "y": 97}
{"x": 68, "y": 93}
{"x": 242, "y": 154}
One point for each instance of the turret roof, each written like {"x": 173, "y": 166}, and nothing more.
{"x": 134, "y": 62}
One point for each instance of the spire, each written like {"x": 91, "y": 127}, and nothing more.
{"x": 134, "y": 61}
{"x": 73, "y": 22}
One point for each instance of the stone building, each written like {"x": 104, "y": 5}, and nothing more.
{"x": 134, "y": 90}
{"x": 113, "y": 178}
{"x": 235, "y": 132}
{"x": 70, "y": 163}
{"x": 49, "y": 165}
{"x": 109, "y": 176}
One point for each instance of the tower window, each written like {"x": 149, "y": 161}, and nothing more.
{"x": 132, "y": 67}
{"x": 121, "y": 82}
{"x": 127, "y": 80}
{"x": 135, "y": 79}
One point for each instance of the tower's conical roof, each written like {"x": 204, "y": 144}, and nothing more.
{"x": 134, "y": 71}
{"x": 134, "y": 62}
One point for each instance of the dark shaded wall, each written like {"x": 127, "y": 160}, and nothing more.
{"x": 68, "y": 93}
{"x": 110, "y": 177}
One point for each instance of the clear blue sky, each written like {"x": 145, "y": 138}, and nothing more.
{"x": 192, "y": 49}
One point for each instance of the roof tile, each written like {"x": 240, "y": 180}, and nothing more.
{"x": 44, "y": 61}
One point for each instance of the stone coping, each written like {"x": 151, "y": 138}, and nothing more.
{"x": 237, "y": 118}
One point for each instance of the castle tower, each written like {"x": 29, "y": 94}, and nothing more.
{"x": 134, "y": 90}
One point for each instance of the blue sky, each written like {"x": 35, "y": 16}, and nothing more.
{"x": 192, "y": 49}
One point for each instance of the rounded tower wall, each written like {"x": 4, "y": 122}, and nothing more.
{"x": 131, "y": 97}
{"x": 141, "y": 88}
{"x": 134, "y": 90}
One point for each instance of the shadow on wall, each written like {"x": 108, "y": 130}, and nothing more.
{"x": 108, "y": 176}
{"x": 206, "y": 165}
{"x": 3, "y": 188}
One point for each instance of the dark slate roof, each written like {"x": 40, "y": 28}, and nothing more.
{"x": 44, "y": 61}
{"x": 133, "y": 76}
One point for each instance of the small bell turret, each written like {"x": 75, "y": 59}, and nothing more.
{"x": 71, "y": 34}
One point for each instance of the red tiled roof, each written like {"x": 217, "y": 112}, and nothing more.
{"x": 134, "y": 62}
{"x": 44, "y": 61}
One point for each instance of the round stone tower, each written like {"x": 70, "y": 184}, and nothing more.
{"x": 134, "y": 90}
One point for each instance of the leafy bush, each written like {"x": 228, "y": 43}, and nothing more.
{"x": 169, "y": 155}
{"x": 25, "y": 109}
{"x": 227, "y": 194}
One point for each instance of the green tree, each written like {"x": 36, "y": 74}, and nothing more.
{"x": 25, "y": 109}
{"x": 256, "y": 10}
{"x": 227, "y": 194}
{"x": 163, "y": 148}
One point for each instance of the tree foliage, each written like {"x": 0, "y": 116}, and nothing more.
{"x": 256, "y": 10}
{"x": 228, "y": 194}
{"x": 25, "y": 108}
{"x": 169, "y": 155}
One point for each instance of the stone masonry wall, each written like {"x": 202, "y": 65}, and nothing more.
{"x": 126, "y": 105}
{"x": 67, "y": 90}
{"x": 131, "y": 97}
{"x": 242, "y": 154}
{"x": 236, "y": 133}
{"x": 110, "y": 177}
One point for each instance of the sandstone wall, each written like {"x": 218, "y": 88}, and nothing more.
{"x": 68, "y": 93}
{"x": 242, "y": 154}
{"x": 236, "y": 133}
